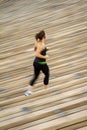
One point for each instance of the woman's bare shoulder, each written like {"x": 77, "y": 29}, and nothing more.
{"x": 37, "y": 47}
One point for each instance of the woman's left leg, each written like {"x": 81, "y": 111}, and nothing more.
{"x": 36, "y": 74}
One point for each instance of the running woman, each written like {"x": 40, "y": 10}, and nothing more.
{"x": 39, "y": 63}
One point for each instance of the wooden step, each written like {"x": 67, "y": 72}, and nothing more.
{"x": 83, "y": 128}
{"x": 50, "y": 110}
{"x": 54, "y": 124}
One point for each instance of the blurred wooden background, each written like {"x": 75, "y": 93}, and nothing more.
{"x": 64, "y": 105}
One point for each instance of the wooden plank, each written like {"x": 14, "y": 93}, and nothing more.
{"x": 61, "y": 122}
{"x": 45, "y": 101}
{"x": 40, "y": 114}
{"x": 75, "y": 126}
{"x": 71, "y": 127}
{"x": 21, "y": 98}
{"x": 83, "y": 128}
{"x": 50, "y": 118}
{"x": 19, "y": 108}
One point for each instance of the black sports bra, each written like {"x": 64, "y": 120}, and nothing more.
{"x": 43, "y": 52}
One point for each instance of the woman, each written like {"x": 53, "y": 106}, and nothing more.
{"x": 39, "y": 61}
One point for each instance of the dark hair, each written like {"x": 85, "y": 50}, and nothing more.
{"x": 40, "y": 35}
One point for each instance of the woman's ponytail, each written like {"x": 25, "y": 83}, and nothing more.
{"x": 39, "y": 36}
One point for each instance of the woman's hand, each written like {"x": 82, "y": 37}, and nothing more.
{"x": 46, "y": 56}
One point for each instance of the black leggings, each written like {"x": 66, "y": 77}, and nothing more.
{"x": 37, "y": 68}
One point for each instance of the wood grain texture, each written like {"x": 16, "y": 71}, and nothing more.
{"x": 63, "y": 105}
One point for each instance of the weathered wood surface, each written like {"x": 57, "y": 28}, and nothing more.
{"x": 64, "y": 105}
